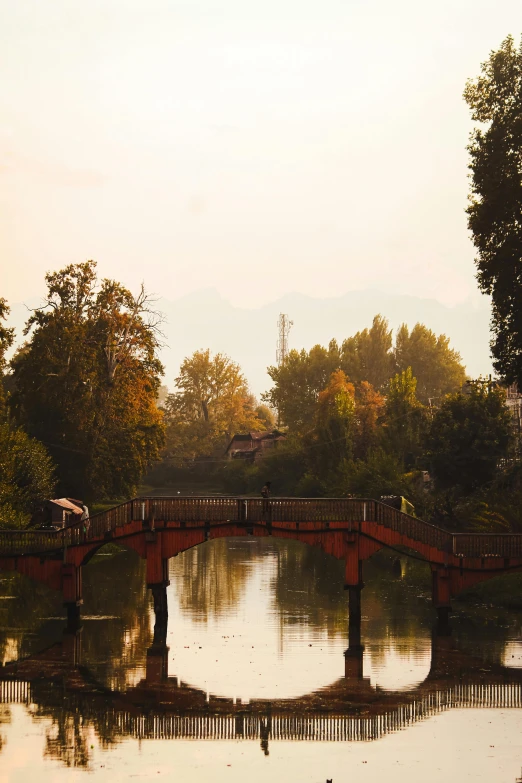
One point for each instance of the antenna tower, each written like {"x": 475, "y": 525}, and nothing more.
{"x": 284, "y": 324}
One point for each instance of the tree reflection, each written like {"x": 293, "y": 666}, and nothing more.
{"x": 210, "y": 579}
{"x": 114, "y": 645}
{"x": 308, "y": 587}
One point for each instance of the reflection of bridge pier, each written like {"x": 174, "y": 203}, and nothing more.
{"x": 157, "y": 654}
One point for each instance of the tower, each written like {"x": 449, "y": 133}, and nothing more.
{"x": 284, "y": 325}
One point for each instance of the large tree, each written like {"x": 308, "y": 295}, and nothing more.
{"x": 210, "y": 404}
{"x": 495, "y": 209}
{"x": 468, "y": 436}
{"x": 437, "y": 368}
{"x": 86, "y": 383}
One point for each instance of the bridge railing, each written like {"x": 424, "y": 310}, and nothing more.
{"x": 196, "y": 511}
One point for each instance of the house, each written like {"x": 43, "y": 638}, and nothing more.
{"x": 65, "y": 511}
{"x": 253, "y": 445}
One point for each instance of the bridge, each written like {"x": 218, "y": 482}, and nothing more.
{"x": 56, "y": 685}
{"x": 347, "y": 528}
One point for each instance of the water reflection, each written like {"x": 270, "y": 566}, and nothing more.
{"x": 255, "y": 649}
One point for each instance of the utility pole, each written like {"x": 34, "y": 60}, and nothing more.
{"x": 283, "y": 325}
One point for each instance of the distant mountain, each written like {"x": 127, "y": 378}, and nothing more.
{"x": 248, "y": 334}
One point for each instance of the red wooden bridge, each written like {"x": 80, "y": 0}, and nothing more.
{"x": 350, "y": 529}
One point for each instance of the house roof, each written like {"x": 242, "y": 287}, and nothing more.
{"x": 242, "y": 440}
{"x": 67, "y": 505}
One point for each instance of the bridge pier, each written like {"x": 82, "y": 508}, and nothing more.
{"x": 441, "y": 594}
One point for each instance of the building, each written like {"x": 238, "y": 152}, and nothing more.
{"x": 65, "y": 511}
{"x": 253, "y": 445}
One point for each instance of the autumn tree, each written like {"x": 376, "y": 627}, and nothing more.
{"x": 369, "y": 408}
{"x": 469, "y": 434}
{"x": 495, "y": 208}
{"x": 86, "y": 383}
{"x": 437, "y": 368}
{"x": 210, "y": 404}
{"x": 304, "y": 374}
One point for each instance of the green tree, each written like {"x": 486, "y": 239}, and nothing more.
{"x": 437, "y": 367}
{"x": 405, "y": 419}
{"x": 86, "y": 383}
{"x": 367, "y": 356}
{"x": 266, "y": 417}
{"x": 211, "y": 403}
{"x": 495, "y": 208}
{"x": 26, "y": 476}
{"x": 381, "y": 473}
{"x": 297, "y": 384}
{"x": 468, "y": 436}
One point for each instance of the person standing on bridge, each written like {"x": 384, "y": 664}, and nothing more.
{"x": 86, "y": 522}
{"x": 265, "y": 494}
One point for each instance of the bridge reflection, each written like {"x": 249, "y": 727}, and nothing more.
{"x": 55, "y": 685}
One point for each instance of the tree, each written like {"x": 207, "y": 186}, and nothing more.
{"x": 495, "y": 208}
{"x": 367, "y": 356}
{"x": 297, "y": 384}
{"x": 469, "y": 434}
{"x": 379, "y": 474}
{"x": 211, "y": 403}
{"x": 437, "y": 367}
{"x": 334, "y": 431}
{"x": 369, "y": 408}
{"x": 26, "y": 476}
{"x": 404, "y": 419}
{"x": 86, "y": 383}
{"x": 266, "y": 417}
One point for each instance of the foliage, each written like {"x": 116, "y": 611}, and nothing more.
{"x": 369, "y": 409}
{"x": 437, "y": 368}
{"x": 297, "y": 384}
{"x": 381, "y": 473}
{"x": 211, "y": 403}
{"x": 86, "y": 383}
{"x": 266, "y": 417}
{"x": 468, "y": 436}
{"x": 368, "y": 356}
{"x": 334, "y": 429}
{"x": 405, "y": 419}
{"x": 495, "y": 149}
{"x": 26, "y": 476}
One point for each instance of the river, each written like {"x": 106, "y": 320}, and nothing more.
{"x": 252, "y": 682}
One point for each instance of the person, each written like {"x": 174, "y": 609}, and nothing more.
{"x": 85, "y": 520}
{"x": 265, "y": 494}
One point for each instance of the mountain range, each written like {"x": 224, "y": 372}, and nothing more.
{"x": 248, "y": 334}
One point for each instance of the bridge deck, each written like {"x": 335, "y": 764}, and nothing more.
{"x": 283, "y": 514}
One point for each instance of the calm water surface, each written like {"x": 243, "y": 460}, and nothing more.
{"x": 253, "y": 683}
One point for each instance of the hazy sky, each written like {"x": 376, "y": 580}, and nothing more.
{"x": 258, "y": 147}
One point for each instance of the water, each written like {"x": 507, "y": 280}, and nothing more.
{"x": 255, "y": 684}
